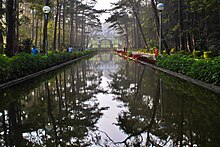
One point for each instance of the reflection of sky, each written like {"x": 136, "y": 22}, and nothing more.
{"x": 107, "y": 64}
{"x": 107, "y": 68}
{"x": 106, "y": 123}
{"x": 35, "y": 136}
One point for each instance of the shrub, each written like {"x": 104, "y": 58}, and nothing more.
{"x": 207, "y": 54}
{"x": 79, "y": 54}
{"x": 24, "y": 64}
{"x": 206, "y": 70}
{"x": 197, "y": 54}
{"x": 4, "y": 68}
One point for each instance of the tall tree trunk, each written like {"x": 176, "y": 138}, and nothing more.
{"x": 155, "y": 11}
{"x": 16, "y": 17}
{"x": 10, "y": 19}
{"x": 41, "y": 30}
{"x": 181, "y": 27}
{"x": 83, "y": 32}
{"x": 87, "y": 41}
{"x": 1, "y": 29}
{"x": 141, "y": 29}
{"x": 55, "y": 28}
{"x": 133, "y": 34}
{"x": 32, "y": 27}
{"x": 138, "y": 38}
{"x": 59, "y": 29}
{"x": 135, "y": 11}
{"x": 36, "y": 31}
{"x": 188, "y": 36}
{"x": 64, "y": 18}
{"x": 126, "y": 37}
{"x": 76, "y": 26}
{"x": 71, "y": 24}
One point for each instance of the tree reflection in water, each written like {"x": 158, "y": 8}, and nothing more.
{"x": 66, "y": 101}
{"x": 139, "y": 120}
{"x": 173, "y": 115}
{"x": 154, "y": 109}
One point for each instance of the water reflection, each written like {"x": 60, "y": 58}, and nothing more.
{"x": 108, "y": 101}
{"x": 61, "y": 110}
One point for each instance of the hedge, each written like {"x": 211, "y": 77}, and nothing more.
{"x": 24, "y": 64}
{"x": 207, "y": 70}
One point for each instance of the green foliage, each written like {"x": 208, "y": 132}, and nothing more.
{"x": 24, "y": 64}
{"x": 214, "y": 44}
{"x": 4, "y": 68}
{"x": 87, "y": 51}
{"x": 207, "y": 55}
{"x": 24, "y": 20}
{"x": 152, "y": 50}
{"x": 197, "y": 54}
{"x": 26, "y": 45}
{"x": 142, "y": 50}
{"x": 78, "y": 54}
{"x": 177, "y": 62}
{"x": 129, "y": 54}
{"x": 173, "y": 50}
{"x": 206, "y": 70}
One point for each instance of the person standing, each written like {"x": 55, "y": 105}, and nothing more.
{"x": 70, "y": 49}
{"x": 34, "y": 51}
{"x": 156, "y": 51}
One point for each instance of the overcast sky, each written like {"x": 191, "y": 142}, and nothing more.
{"x": 104, "y": 4}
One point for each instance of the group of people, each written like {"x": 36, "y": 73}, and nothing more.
{"x": 35, "y": 51}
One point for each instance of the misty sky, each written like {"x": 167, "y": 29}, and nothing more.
{"x": 104, "y": 4}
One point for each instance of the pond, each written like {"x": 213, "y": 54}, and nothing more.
{"x": 105, "y": 100}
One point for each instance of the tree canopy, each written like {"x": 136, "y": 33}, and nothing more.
{"x": 187, "y": 25}
{"x": 70, "y": 23}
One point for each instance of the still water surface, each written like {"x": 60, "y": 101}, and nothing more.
{"x": 106, "y": 100}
